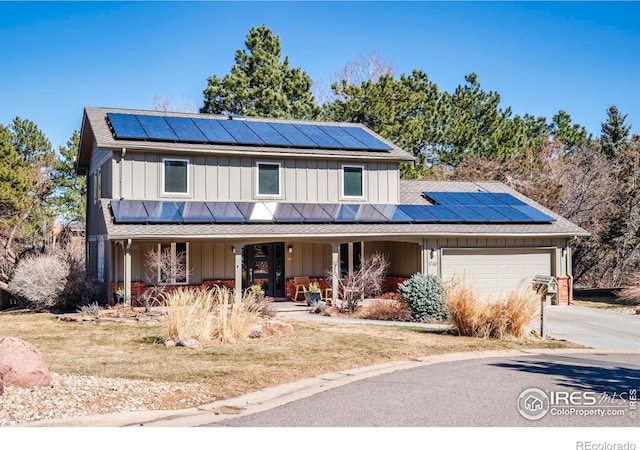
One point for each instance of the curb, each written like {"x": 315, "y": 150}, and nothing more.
{"x": 275, "y": 396}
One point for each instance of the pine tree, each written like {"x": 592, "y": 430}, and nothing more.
{"x": 615, "y": 133}
{"x": 260, "y": 84}
{"x": 70, "y": 194}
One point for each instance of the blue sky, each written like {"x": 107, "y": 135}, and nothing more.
{"x": 541, "y": 57}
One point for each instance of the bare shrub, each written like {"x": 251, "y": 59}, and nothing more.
{"x": 40, "y": 279}
{"x": 365, "y": 282}
{"x": 396, "y": 310}
{"x": 206, "y": 314}
{"x": 491, "y": 318}
{"x": 82, "y": 287}
{"x": 163, "y": 269}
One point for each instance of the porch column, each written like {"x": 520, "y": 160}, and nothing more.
{"x": 424, "y": 258}
{"x": 237, "y": 249}
{"x": 335, "y": 267}
{"x": 127, "y": 272}
{"x": 115, "y": 272}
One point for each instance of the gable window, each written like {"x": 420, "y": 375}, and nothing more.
{"x": 175, "y": 176}
{"x": 269, "y": 179}
{"x": 352, "y": 181}
{"x": 173, "y": 264}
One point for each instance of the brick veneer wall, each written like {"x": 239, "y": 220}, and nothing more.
{"x": 390, "y": 284}
{"x": 564, "y": 290}
{"x": 139, "y": 287}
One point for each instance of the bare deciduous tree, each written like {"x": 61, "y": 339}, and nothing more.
{"x": 163, "y": 269}
{"x": 366, "y": 281}
{"x": 166, "y": 103}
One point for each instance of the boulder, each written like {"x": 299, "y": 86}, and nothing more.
{"x": 255, "y": 331}
{"x": 21, "y": 364}
{"x": 277, "y": 329}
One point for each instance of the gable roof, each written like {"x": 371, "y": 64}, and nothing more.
{"x": 97, "y": 128}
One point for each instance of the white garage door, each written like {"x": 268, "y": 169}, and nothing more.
{"x": 495, "y": 272}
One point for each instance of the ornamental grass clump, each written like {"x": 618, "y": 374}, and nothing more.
{"x": 490, "y": 318}
{"x": 207, "y": 314}
{"x": 425, "y": 296}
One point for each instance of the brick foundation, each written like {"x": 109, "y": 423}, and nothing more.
{"x": 390, "y": 284}
{"x": 564, "y": 290}
{"x": 139, "y": 287}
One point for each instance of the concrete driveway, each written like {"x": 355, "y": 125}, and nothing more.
{"x": 591, "y": 327}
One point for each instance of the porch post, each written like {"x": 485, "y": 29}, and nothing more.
{"x": 127, "y": 273}
{"x": 237, "y": 249}
{"x": 335, "y": 267}
{"x": 116, "y": 268}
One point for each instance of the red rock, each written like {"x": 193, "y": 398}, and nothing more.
{"x": 21, "y": 364}
{"x": 277, "y": 329}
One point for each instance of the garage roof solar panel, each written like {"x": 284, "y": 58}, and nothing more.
{"x": 162, "y": 212}
{"x": 489, "y": 213}
{"x": 286, "y": 212}
{"x": 126, "y": 126}
{"x": 129, "y": 211}
{"x": 512, "y": 214}
{"x": 467, "y": 214}
{"x": 443, "y": 198}
{"x": 157, "y": 128}
{"x": 369, "y": 214}
{"x": 393, "y": 213}
{"x": 508, "y": 199}
{"x": 313, "y": 212}
{"x": 535, "y": 214}
{"x": 296, "y": 137}
{"x": 344, "y": 138}
{"x": 185, "y": 129}
{"x": 418, "y": 213}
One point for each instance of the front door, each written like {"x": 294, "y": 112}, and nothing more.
{"x": 265, "y": 266}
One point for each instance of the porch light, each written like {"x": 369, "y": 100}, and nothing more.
{"x": 290, "y": 248}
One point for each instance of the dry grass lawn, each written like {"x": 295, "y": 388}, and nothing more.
{"x": 124, "y": 350}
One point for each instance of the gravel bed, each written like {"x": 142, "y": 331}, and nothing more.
{"x": 73, "y": 396}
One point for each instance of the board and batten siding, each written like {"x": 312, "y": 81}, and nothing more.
{"x": 233, "y": 178}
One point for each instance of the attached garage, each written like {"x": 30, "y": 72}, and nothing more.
{"x": 495, "y": 272}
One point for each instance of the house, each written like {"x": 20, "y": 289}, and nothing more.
{"x": 264, "y": 200}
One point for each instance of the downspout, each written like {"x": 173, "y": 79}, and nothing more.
{"x": 122, "y": 155}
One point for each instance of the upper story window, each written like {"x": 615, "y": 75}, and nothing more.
{"x": 175, "y": 176}
{"x": 269, "y": 179}
{"x": 353, "y": 181}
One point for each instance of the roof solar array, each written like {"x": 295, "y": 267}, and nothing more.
{"x": 139, "y": 211}
{"x": 242, "y": 132}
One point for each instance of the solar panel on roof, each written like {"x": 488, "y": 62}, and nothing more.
{"x": 267, "y": 133}
{"x": 508, "y": 199}
{"x": 318, "y": 136}
{"x": 393, "y": 213}
{"x": 512, "y": 214}
{"x": 419, "y": 213}
{"x": 162, "y": 211}
{"x": 369, "y": 214}
{"x": 347, "y": 213}
{"x": 487, "y": 211}
{"x": 461, "y": 198}
{"x": 185, "y": 129}
{"x": 372, "y": 142}
{"x": 157, "y": 128}
{"x": 442, "y": 198}
{"x": 129, "y": 211}
{"x": 241, "y": 132}
{"x": 467, "y": 214}
{"x": 313, "y": 212}
{"x": 535, "y": 214}
{"x": 126, "y": 126}
{"x": 344, "y": 138}
{"x": 293, "y": 134}
{"x": 226, "y": 212}
{"x": 213, "y": 131}
{"x": 443, "y": 214}
{"x": 195, "y": 212}
{"x": 286, "y": 212}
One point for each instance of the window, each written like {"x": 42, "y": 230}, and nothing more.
{"x": 352, "y": 185}
{"x": 97, "y": 186}
{"x": 173, "y": 264}
{"x": 175, "y": 176}
{"x": 269, "y": 180}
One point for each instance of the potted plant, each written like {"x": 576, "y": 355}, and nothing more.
{"x": 313, "y": 294}
{"x": 256, "y": 289}
{"x": 118, "y": 295}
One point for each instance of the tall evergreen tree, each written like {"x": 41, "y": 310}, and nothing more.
{"x": 615, "y": 133}
{"x": 70, "y": 193}
{"x": 260, "y": 84}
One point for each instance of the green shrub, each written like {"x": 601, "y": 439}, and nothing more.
{"x": 425, "y": 296}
